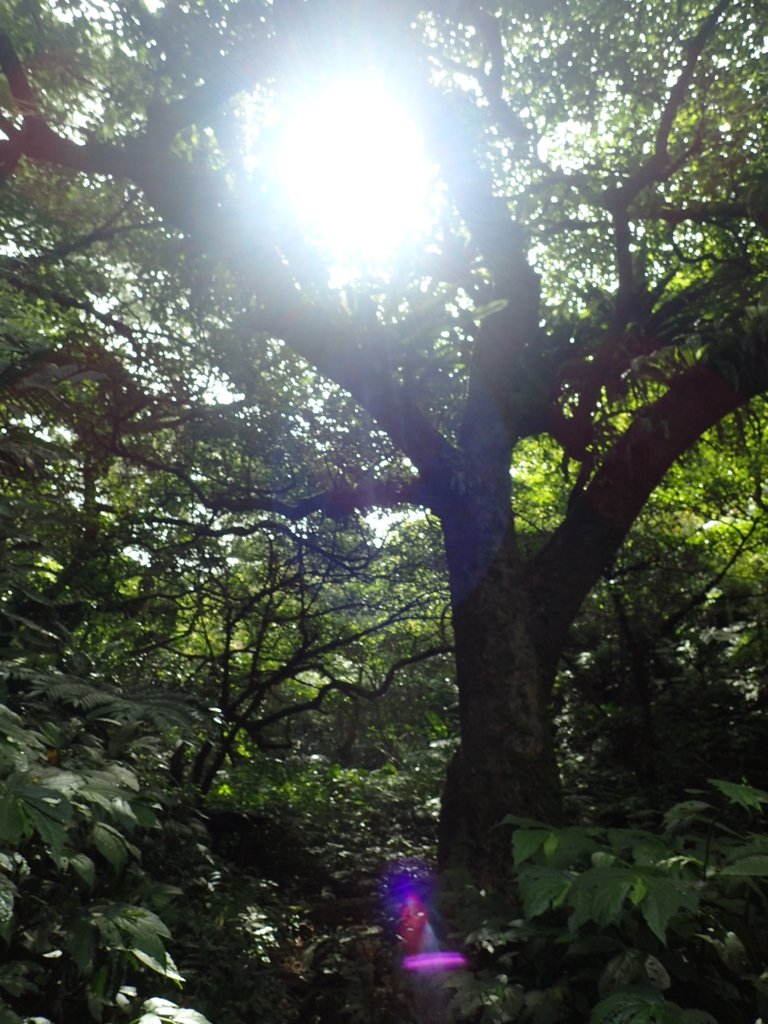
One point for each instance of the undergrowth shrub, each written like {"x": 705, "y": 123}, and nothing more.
{"x": 81, "y": 919}
{"x": 628, "y": 926}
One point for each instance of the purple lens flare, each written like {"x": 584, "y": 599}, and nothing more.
{"x": 431, "y": 962}
{"x": 407, "y": 892}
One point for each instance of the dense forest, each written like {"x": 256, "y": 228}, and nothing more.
{"x": 383, "y": 456}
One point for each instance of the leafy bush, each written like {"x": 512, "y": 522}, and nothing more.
{"x": 624, "y": 926}
{"x": 78, "y": 911}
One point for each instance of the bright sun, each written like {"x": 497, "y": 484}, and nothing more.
{"x": 353, "y": 168}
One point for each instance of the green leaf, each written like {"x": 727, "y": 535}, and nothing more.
{"x": 638, "y": 891}
{"x": 187, "y": 1016}
{"x": 162, "y": 1011}
{"x": 628, "y": 1007}
{"x": 550, "y": 844}
{"x": 48, "y": 802}
{"x": 755, "y": 865}
{"x": 110, "y": 845}
{"x": 167, "y": 968}
{"x": 657, "y": 973}
{"x": 664, "y": 898}
{"x": 620, "y": 971}
{"x": 8, "y": 893}
{"x": 573, "y": 846}
{"x": 682, "y": 815}
{"x": 14, "y": 979}
{"x": 526, "y": 842}
{"x": 13, "y": 824}
{"x": 84, "y": 868}
{"x": 746, "y": 796}
{"x": 598, "y": 895}
{"x": 146, "y": 930}
{"x": 51, "y": 831}
{"x": 96, "y": 992}
{"x": 81, "y": 943}
{"x": 542, "y": 888}
{"x": 12, "y": 728}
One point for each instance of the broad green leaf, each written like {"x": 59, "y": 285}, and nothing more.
{"x": 657, "y": 973}
{"x": 664, "y": 898}
{"x": 51, "y": 830}
{"x": 739, "y": 793}
{"x": 81, "y": 943}
{"x": 12, "y": 727}
{"x": 542, "y": 889}
{"x": 145, "y": 816}
{"x": 603, "y": 859}
{"x": 96, "y": 992}
{"x": 64, "y": 782}
{"x": 638, "y": 891}
{"x": 632, "y": 1006}
{"x": 110, "y": 845}
{"x": 756, "y": 865}
{"x": 13, "y": 823}
{"x": 648, "y": 849}
{"x": 572, "y": 846}
{"x": 146, "y": 931}
{"x": 550, "y": 844}
{"x": 84, "y": 867}
{"x": 682, "y": 815}
{"x": 187, "y": 1016}
{"x": 526, "y": 842}
{"x": 620, "y": 971}
{"x": 166, "y": 1012}
{"x": 159, "y": 1005}
{"x": 35, "y": 794}
{"x": 165, "y": 967}
{"x": 598, "y": 895}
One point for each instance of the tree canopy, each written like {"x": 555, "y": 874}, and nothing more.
{"x": 244, "y": 466}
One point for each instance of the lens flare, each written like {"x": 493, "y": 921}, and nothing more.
{"x": 431, "y": 962}
{"x": 407, "y": 892}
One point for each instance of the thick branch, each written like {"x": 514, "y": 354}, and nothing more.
{"x": 338, "y": 502}
{"x": 602, "y": 515}
{"x": 356, "y": 358}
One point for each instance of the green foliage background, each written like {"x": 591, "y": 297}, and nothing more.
{"x": 226, "y": 688}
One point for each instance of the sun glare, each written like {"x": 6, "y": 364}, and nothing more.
{"x": 352, "y": 166}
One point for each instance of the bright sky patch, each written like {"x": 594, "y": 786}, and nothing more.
{"x": 352, "y": 166}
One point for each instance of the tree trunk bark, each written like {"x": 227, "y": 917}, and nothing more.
{"x": 506, "y": 763}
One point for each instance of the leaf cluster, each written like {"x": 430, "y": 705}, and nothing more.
{"x": 631, "y": 925}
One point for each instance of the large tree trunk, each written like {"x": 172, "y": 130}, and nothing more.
{"x": 506, "y": 764}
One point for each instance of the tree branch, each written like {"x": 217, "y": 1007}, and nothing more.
{"x": 658, "y": 166}
{"x": 602, "y": 515}
{"x": 30, "y": 287}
